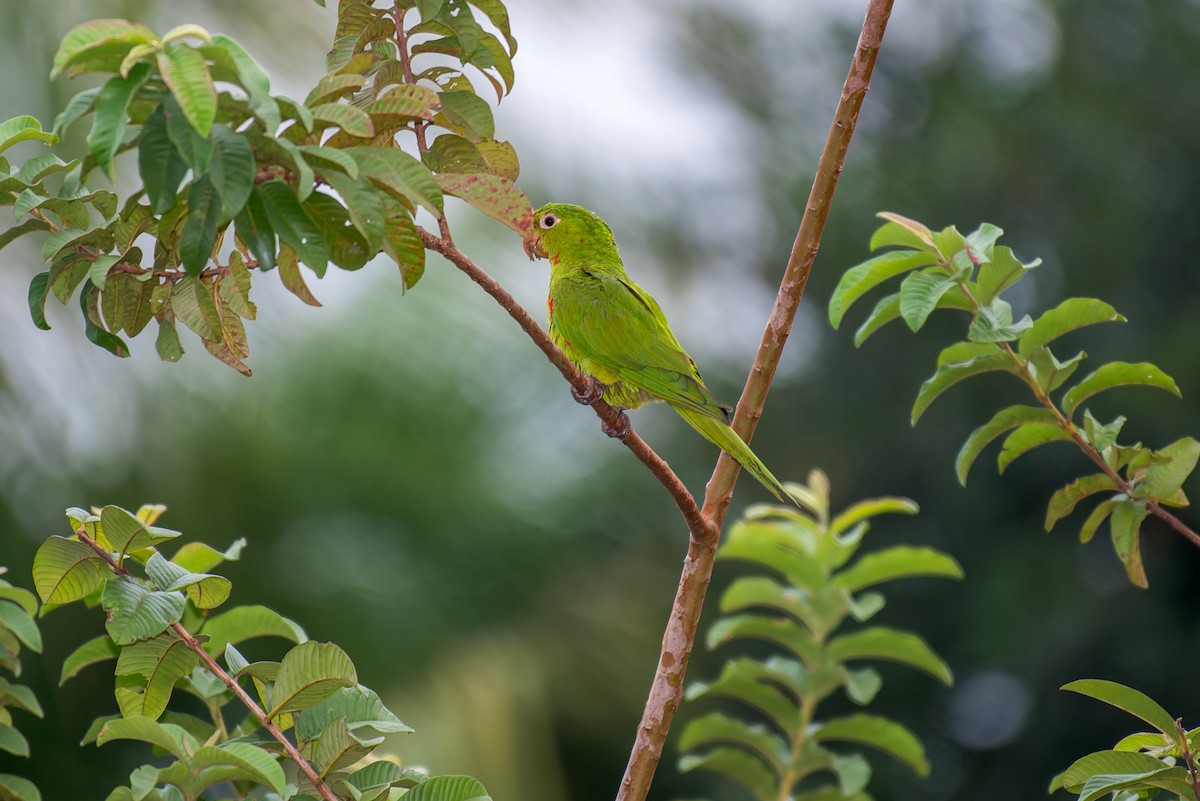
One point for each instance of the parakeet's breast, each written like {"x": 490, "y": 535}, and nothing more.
{"x": 565, "y": 299}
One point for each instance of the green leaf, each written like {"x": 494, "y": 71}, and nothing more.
{"x": 231, "y": 169}
{"x": 899, "y": 561}
{"x": 87, "y": 38}
{"x": 20, "y": 596}
{"x": 186, "y": 74}
{"x": 347, "y": 248}
{"x": 1100, "y": 763}
{"x": 1002, "y": 421}
{"x": 881, "y": 733}
{"x": 193, "y": 303}
{"x": 19, "y": 696}
{"x": 59, "y": 240}
{"x": 38, "y": 168}
{"x": 293, "y": 225}
{"x": 402, "y": 104}
{"x": 162, "y": 662}
{"x": 400, "y": 175}
{"x": 253, "y": 226}
{"x": 351, "y": 119}
{"x": 999, "y": 274}
{"x": 1116, "y": 374}
{"x": 206, "y": 591}
{"x": 448, "y": 788}
{"x": 1064, "y": 501}
{"x": 1026, "y": 437}
{"x": 239, "y": 761}
{"x": 337, "y": 748}
{"x": 715, "y": 728}
{"x": 743, "y": 680}
{"x": 879, "y": 642}
{"x": 256, "y": 81}
{"x": 247, "y": 622}
{"x": 333, "y": 87}
{"x": 862, "y": 278}
{"x": 994, "y": 323}
{"x": 776, "y": 548}
{"x": 948, "y": 375}
{"x": 784, "y": 632}
{"x": 862, "y": 685}
{"x": 13, "y": 741}
{"x": 168, "y": 736}
{"x": 903, "y": 232}
{"x": 308, "y": 674}
{"x": 136, "y": 613}
{"x": 197, "y": 557}
{"x": 15, "y": 788}
{"x": 1165, "y": 478}
{"x": 112, "y": 106}
{"x": 919, "y": 296}
{"x": 66, "y": 570}
{"x": 124, "y": 531}
{"x": 1130, "y": 700}
{"x": 1099, "y": 514}
{"x": 872, "y": 507}
{"x": 76, "y": 107}
{"x": 403, "y": 244}
{"x": 359, "y": 706}
{"x": 1067, "y": 316}
{"x": 1126, "y": 522}
{"x": 98, "y": 649}
{"x": 199, "y": 233}
{"x": 366, "y": 208}
{"x": 30, "y": 225}
{"x": 21, "y": 129}
{"x": 743, "y": 767}
{"x": 192, "y": 147}
{"x": 167, "y": 342}
{"x": 38, "y": 288}
{"x": 1173, "y": 779}
{"x": 21, "y": 624}
{"x": 1048, "y": 371}
{"x": 467, "y": 114}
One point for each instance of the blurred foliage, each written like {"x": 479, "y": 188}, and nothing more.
{"x": 17, "y": 628}
{"x": 415, "y": 450}
{"x": 785, "y": 752}
{"x": 163, "y": 636}
{"x": 946, "y": 270}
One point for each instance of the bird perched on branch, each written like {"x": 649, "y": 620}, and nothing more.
{"x": 617, "y": 335}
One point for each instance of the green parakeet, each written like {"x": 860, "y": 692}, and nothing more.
{"x": 616, "y": 333}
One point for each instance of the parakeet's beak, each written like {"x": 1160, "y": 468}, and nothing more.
{"x": 533, "y": 248}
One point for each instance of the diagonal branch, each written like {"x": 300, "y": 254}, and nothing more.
{"x": 229, "y": 681}
{"x": 666, "y": 691}
{"x": 697, "y": 524}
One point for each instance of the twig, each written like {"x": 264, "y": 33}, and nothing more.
{"x": 696, "y": 523}
{"x": 229, "y": 681}
{"x": 1189, "y": 759}
{"x": 666, "y": 691}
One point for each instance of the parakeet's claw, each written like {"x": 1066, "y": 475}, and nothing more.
{"x": 593, "y": 393}
{"x": 618, "y": 430}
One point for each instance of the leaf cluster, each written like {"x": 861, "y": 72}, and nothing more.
{"x": 164, "y": 636}
{"x": 18, "y": 629}
{"x": 807, "y": 584}
{"x": 1142, "y": 765}
{"x": 947, "y": 270}
{"x": 235, "y": 179}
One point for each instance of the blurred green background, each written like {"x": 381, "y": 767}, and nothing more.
{"x": 417, "y": 485}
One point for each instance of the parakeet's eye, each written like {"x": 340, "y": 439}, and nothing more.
{"x": 548, "y": 221}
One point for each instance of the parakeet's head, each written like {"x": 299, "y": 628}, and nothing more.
{"x": 565, "y": 229}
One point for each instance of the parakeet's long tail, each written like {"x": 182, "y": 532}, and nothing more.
{"x": 720, "y": 434}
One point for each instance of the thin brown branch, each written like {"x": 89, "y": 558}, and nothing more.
{"x": 229, "y": 681}
{"x": 612, "y": 418}
{"x": 666, "y": 691}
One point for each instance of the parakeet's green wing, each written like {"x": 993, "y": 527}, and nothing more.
{"x": 626, "y": 332}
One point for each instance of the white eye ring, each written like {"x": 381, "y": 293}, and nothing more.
{"x": 548, "y": 221}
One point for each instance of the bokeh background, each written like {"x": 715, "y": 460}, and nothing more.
{"x": 417, "y": 485}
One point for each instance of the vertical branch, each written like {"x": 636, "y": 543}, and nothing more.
{"x": 666, "y": 690}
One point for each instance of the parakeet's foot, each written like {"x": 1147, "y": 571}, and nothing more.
{"x": 618, "y": 430}
{"x": 593, "y": 393}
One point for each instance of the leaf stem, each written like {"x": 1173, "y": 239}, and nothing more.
{"x": 229, "y": 681}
